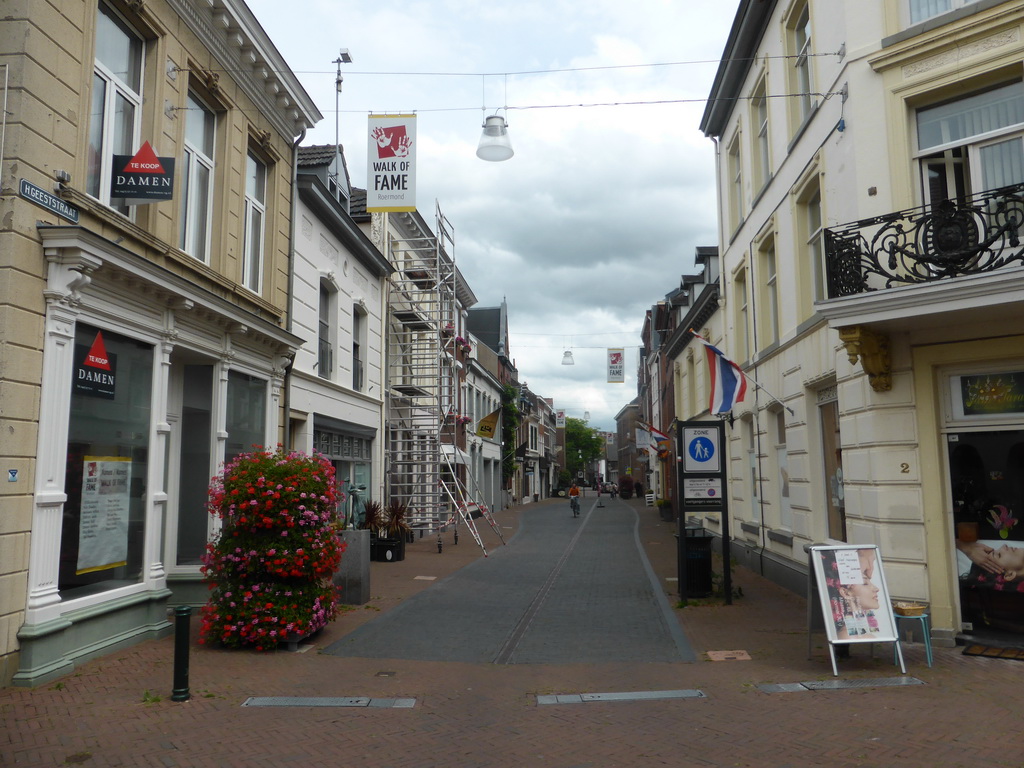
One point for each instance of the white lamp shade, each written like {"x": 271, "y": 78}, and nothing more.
{"x": 567, "y": 358}
{"x": 494, "y": 142}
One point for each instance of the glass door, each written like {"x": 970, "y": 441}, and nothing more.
{"x": 986, "y": 476}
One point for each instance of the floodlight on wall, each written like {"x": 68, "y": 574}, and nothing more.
{"x": 494, "y": 145}
{"x": 567, "y": 358}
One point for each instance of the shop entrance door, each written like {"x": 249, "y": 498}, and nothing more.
{"x": 986, "y": 473}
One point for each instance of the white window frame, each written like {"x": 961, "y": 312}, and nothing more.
{"x": 98, "y": 186}
{"x": 326, "y": 330}
{"x": 919, "y": 16}
{"x": 759, "y": 120}
{"x": 194, "y": 238}
{"x": 969, "y": 148}
{"x": 801, "y": 76}
{"x": 360, "y": 322}
{"x": 255, "y": 205}
{"x": 768, "y": 258}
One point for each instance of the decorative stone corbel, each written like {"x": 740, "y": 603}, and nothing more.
{"x": 872, "y": 349}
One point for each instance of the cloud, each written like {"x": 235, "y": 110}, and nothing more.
{"x": 601, "y": 208}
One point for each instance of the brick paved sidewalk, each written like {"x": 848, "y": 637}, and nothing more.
{"x": 115, "y": 711}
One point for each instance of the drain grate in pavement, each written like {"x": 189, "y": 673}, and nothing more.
{"x": 728, "y": 655}
{"x": 782, "y": 688}
{"x": 832, "y": 685}
{"x": 582, "y": 698}
{"x": 327, "y": 701}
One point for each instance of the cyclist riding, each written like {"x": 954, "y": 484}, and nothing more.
{"x": 574, "y": 500}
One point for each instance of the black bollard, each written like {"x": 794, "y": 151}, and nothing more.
{"x": 182, "y": 616}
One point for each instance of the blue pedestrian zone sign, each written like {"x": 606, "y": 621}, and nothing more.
{"x": 701, "y": 450}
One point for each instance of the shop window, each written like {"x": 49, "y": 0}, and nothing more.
{"x": 254, "y": 218}
{"x": 972, "y": 145}
{"x": 103, "y": 531}
{"x": 197, "y": 180}
{"x": 246, "y": 414}
{"x": 116, "y": 109}
{"x": 195, "y": 466}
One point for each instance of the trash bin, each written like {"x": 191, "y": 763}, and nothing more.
{"x": 695, "y": 565}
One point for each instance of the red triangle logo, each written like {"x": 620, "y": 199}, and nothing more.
{"x": 145, "y": 161}
{"x": 97, "y": 357}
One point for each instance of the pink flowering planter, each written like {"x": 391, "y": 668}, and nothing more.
{"x": 270, "y": 568}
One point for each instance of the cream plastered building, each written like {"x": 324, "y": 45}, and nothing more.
{"x": 143, "y": 339}
{"x": 871, "y": 285}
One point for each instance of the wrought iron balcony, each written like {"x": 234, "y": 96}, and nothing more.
{"x": 968, "y": 236}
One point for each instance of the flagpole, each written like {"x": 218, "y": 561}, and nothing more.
{"x": 736, "y": 367}
{"x": 773, "y": 397}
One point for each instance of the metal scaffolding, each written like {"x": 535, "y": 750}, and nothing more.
{"x": 425, "y": 467}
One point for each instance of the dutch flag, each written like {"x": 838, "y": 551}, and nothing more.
{"x": 728, "y": 382}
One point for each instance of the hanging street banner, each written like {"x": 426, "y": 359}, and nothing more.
{"x": 559, "y": 419}
{"x": 391, "y": 163}
{"x": 142, "y": 177}
{"x": 616, "y": 366}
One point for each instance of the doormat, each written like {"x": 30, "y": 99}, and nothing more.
{"x": 993, "y": 652}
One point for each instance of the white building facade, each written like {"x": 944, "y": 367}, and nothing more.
{"x": 339, "y": 290}
{"x": 868, "y": 157}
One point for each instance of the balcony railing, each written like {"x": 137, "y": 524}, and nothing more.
{"x": 972, "y": 235}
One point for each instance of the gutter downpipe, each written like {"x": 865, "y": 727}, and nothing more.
{"x": 287, "y": 438}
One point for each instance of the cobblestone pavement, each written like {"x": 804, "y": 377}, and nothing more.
{"x": 116, "y": 710}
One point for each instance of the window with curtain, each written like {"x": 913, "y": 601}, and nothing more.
{"x": 116, "y": 104}
{"x": 973, "y": 144}
{"x": 921, "y": 10}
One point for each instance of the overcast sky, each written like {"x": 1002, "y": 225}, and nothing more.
{"x": 600, "y": 210}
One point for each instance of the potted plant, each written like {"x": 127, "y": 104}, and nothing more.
{"x": 665, "y": 509}
{"x": 626, "y": 487}
{"x": 270, "y": 566}
{"x": 391, "y": 546}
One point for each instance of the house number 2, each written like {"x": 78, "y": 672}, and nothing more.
{"x": 904, "y": 468}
